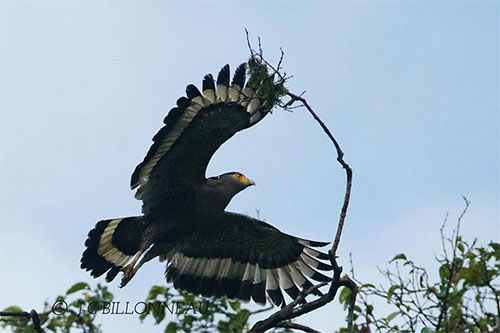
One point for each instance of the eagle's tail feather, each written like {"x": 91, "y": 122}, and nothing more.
{"x": 111, "y": 245}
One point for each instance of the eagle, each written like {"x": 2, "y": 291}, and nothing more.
{"x": 209, "y": 251}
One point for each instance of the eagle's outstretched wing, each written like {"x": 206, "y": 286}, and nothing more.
{"x": 241, "y": 258}
{"x": 193, "y": 131}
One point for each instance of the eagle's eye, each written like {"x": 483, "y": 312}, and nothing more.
{"x": 240, "y": 178}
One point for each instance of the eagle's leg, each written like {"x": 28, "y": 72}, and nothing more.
{"x": 129, "y": 270}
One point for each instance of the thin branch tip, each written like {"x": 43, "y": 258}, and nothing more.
{"x": 291, "y": 310}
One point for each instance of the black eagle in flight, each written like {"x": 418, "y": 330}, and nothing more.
{"x": 210, "y": 252}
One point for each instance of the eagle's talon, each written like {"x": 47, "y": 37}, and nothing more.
{"x": 128, "y": 274}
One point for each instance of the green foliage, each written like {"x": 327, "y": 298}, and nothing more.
{"x": 400, "y": 256}
{"x": 344, "y": 297}
{"x": 269, "y": 89}
{"x": 179, "y": 312}
{"x": 465, "y": 298}
{"x": 65, "y": 312}
{"x": 77, "y": 287}
{"x": 186, "y": 313}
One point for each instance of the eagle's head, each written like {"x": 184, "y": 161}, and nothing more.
{"x": 229, "y": 184}
{"x": 235, "y": 181}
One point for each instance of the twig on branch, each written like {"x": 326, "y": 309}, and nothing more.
{"x": 452, "y": 271}
{"x": 340, "y": 159}
{"x": 289, "y": 311}
{"x": 340, "y": 154}
{"x": 299, "y": 307}
{"x": 33, "y": 315}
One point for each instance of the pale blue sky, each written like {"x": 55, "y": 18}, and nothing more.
{"x": 410, "y": 89}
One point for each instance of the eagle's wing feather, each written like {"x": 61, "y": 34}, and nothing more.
{"x": 193, "y": 131}
{"x": 241, "y": 258}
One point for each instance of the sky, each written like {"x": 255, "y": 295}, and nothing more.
{"x": 409, "y": 89}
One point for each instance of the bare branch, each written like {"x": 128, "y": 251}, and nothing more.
{"x": 453, "y": 268}
{"x": 340, "y": 159}
{"x": 299, "y": 327}
{"x": 299, "y": 307}
{"x": 33, "y": 315}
